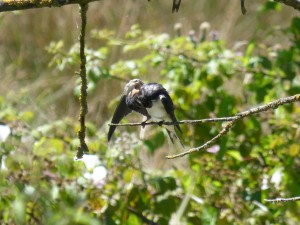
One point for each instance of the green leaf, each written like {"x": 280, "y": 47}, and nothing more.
{"x": 249, "y": 52}
{"x": 209, "y": 215}
{"x": 235, "y": 154}
{"x": 166, "y": 205}
{"x": 47, "y": 146}
{"x": 19, "y": 210}
{"x": 270, "y": 5}
{"x": 133, "y": 220}
{"x": 164, "y": 184}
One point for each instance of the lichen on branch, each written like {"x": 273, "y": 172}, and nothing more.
{"x": 12, "y": 5}
{"x": 83, "y": 89}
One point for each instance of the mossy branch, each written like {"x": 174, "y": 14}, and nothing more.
{"x": 83, "y": 89}
{"x": 12, "y": 5}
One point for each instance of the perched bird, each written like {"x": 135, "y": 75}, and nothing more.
{"x": 122, "y": 109}
{"x": 151, "y": 100}
{"x": 176, "y": 5}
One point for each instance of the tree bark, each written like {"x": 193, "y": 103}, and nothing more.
{"x": 293, "y": 3}
{"x": 11, "y": 5}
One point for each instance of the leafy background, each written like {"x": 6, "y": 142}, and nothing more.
{"x": 231, "y": 64}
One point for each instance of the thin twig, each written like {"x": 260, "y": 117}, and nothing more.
{"x": 283, "y": 199}
{"x": 83, "y": 89}
{"x": 209, "y": 120}
{"x": 226, "y": 129}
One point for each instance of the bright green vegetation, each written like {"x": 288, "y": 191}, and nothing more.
{"x": 227, "y": 184}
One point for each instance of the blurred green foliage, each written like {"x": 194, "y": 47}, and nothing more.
{"x": 41, "y": 183}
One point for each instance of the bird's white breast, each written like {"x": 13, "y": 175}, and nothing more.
{"x": 157, "y": 111}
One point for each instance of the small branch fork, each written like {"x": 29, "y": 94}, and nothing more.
{"x": 232, "y": 120}
{"x": 83, "y": 89}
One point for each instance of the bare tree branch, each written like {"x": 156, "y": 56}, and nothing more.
{"x": 209, "y": 120}
{"x": 293, "y": 3}
{"x": 226, "y": 129}
{"x": 11, "y": 5}
{"x": 283, "y": 199}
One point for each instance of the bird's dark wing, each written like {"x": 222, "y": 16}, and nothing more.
{"x": 155, "y": 91}
{"x": 176, "y": 5}
{"x": 143, "y": 111}
{"x": 121, "y": 111}
{"x": 134, "y": 102}
{"x": 169, "y": 107}
{"x": 150, "y": 92}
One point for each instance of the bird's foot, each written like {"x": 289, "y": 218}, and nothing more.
{"x": 144, "y": 123}
{"x": 160, "y": 123}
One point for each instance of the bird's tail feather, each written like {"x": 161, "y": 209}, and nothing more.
{"x": 171, "y": 131}
{"x": 174, "y": 137}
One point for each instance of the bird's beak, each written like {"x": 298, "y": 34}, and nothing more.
{"x": 134, "y": 92}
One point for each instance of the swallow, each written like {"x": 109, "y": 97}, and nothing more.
{"x": 152, "y": 101}
{"x": 176, "y": 5}
{"x": 122, "y": 110}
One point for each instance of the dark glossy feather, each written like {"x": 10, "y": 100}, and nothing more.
{"x": 134, "y": 102}
{"x": 169, "y": 107}
{"x": 176, "y": 5}
{"x": 172, "y": 135}
{"x": 121, "y": 111}
{"x": 154, "y": 91}
{"x": 150, "y": 92}
{"x": 139, "y": 100}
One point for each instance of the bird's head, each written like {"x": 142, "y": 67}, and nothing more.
{"x": 131, "y": 85}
